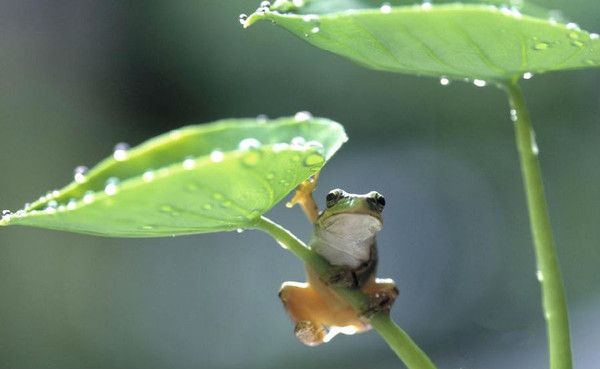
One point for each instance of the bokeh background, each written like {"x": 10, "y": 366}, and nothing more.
{"x": 78, "y": 76}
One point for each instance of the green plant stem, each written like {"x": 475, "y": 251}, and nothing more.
{"x": 553, "y": 295}
{"x": 408, "y": 351}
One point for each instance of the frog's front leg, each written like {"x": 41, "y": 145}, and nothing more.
{"x": 382, "y": 294}
{"x": 304, "y": 198}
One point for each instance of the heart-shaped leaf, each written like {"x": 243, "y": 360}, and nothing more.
{"x": 483, "y": 42}
{"x": 197, "y": 179}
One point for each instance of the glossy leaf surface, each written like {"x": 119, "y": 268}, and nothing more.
{"x": 460, "y": 41}
{"x": 197, "y": 179}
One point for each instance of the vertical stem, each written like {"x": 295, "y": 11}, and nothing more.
{"x": 404, "y": 347}
{"x": 548, "y": 271}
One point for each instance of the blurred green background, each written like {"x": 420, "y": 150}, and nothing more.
{"x": 76, "y": 77}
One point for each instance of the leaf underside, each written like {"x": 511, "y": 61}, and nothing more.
{"x": 458, "y": 41}
{"x": 197, "y": 179}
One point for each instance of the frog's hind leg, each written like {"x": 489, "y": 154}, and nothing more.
{"x": 304, "y": 305}
{"x": 304, "y": 198}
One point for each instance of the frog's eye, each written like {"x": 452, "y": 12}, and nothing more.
{"x": 376, "y": 200}
{"x": 333, "y": 197}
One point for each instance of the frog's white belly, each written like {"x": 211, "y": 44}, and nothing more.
{"x": 346, "y": 239}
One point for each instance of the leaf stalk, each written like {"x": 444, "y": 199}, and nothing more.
{"x": 548, "y": 271}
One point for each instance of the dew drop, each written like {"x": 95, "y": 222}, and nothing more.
{"x": 120, "y": 151}
{"x": 313, "y": 160}
{"x": 189, "y": 163}
{"x": 71, "y": 204}
{"x": 243, "y": 18}
{"x": 541, "y": 46}
{"x": 227, "y": 204}
{"x": 527, "y": 75}
{"x": 79, "y": 173}
{"x": 278, "y": 147}
{"x": 148, "y": 176}
{"x": 577, "y": 43}
{"x": 444, "y": 81}
{"x": 111, "y": 186}
{"x": 298, "y": 3}
{"x": 265, "y": 4}
{"x": 251, "y": 158}
{"x": 217, "y": 156}
{"x": 166, "y": 209}
{"x": 6, "y": 213}
{"x": 426, "y": 5}
{"x": 315, "y": 30}
{"x": 302, "y": 116}
{"x": 573, "y": 35}
{"x": 192, "y": 187}
{"x": 312, "y": 144}
{"x": 249, "y": 143}
{"x": 262, "y": 118}
{"x": 52, "y": 204}
{"x": 88, "y": 197}
{"x": 310, "y": 18}
{"x": 146, "y": 228}
{"x": 594, "y": 36}
{"x": 479, "y": 83}
{"x": 385, "y": 8}
{"x": 240, "y": 230}
{"x": 572, "y": 25}
{"x": 534, "y": 147}
{"x": 298, "y": 141}
{"x": 540, "y": 275}
{"x": 513, "y": 115}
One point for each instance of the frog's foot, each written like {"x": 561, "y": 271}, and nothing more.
{"x": 310, "y": 333}
{"x": 304, "y": 198}
{"x": 382, "y": 294}
{"x": 341, "y": 276}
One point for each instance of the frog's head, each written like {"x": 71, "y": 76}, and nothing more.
{"x": 342, "y": 202}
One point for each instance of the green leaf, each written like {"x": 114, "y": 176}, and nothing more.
{"x": 458, "y": 41}
{"x": 197, "y": 179}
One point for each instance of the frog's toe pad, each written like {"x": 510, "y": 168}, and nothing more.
{"x": 310, "y": 333}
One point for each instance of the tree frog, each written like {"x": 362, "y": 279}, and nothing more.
{"x": 344, "y": 234}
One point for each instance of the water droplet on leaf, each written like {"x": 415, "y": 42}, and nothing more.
{"x": 302, "y": 116}
{"x": 249, "y": 143}
{"x": 217, "y": 156}
{"x": 189, "y": 163}
{"x": 79, "y": 173}
{"x": 120, "y": 151}
{"x": 385, "y": 8}
{"x": 314, "y": 159}
{"x": 479, "y": 83}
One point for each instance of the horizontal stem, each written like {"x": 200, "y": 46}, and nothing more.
{"x": 406, "y": 349}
